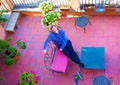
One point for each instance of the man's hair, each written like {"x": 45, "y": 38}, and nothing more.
{"x": 51, "y": 26}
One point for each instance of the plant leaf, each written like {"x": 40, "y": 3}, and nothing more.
{"x": 18, "y": 54}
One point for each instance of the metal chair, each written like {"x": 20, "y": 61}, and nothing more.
{"x": 117, "y": 6}
{"x": 55, "y": 60}
{"x": 48, "y": 57}
{"x": 101, "y": 80}
{"x": 82, "y": 22}
{"x": 100, "y": 7}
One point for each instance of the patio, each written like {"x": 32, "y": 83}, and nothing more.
{"x": 104, "y": 31}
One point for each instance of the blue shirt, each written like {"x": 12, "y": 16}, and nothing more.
{"x": 57, "y": 39}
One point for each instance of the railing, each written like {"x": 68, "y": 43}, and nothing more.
{"x": 57, "y": 3}
{"x": 10, "y": 4}
{"x": 27, "y": 3}
{"x": 98, "y": 1}
{"x": 86, "y": 3}
{"x": 1, "y": 7}
{"x": 106, "y": 2}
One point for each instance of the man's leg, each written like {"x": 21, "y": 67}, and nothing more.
{"x": 69, "y": 55}
{"x": 70, "y": 48}
{"x": 73, "y": 53}
{"x": 69, "y": 51}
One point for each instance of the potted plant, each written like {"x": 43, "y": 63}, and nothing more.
{"x": 11, "y": 53}
{"x": 2, "y": 29}
{"x": 1, "y": 79}
{"x": 2, "y": 19}
{"x": 46, "y": 6}
{"x": 28, "y": 78}
{"x": 50, "y": 18}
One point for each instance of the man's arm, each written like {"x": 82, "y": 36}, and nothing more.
{"x": 46, "y": 42}
{"x": 64, "y": 40}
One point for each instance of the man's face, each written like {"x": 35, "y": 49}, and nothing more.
{"x": 54, "y": 29}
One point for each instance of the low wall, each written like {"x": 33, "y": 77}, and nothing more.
{"x": 2, "y": 33}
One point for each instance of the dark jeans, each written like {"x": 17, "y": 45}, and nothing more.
{"x": 70, "y": 53}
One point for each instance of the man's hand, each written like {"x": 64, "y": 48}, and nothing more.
{"x": 45, "y": 51}
{"x": 61, "y": 49}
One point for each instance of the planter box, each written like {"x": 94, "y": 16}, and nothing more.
{"x": 91, "y": 9}
{"x": 64, "y": 7}
{"x": 110, "y": 9}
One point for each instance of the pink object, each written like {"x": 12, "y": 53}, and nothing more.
{"x": 59, "y": 62}
{"x": 37, "y": 78}
{"x": 33, "y": 72}
{"x": 103, "y": 31}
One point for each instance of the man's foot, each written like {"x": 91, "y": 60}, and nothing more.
{"x": 81, "y": 65}
{"x": 80, "y": 75}
{"x": 76, "y": 79}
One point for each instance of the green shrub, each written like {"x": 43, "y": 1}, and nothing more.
{"x": 1, "y": 18}
{"x": 46, "y": 6}
{"x": 28, "y": 78}
{"x": 50, "y": 18}
{"x": 8, "y": 60}
{"x": 9, "y": 51}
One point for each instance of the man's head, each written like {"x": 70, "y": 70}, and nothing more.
{"x": 54, "y": 28}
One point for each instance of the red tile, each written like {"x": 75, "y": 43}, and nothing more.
{"x": 13, "y": 77}
{"x": 33, "y": 61}
{"x": 104, "y": 31}
{"x": 30, "y": 52}
{"x": 25, "y": 68}
{"x": 35, "y": 69}
{"x": 25, "y": 60}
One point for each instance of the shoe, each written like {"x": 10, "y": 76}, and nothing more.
{"x": 80, "y": 75}
{"x": 81, "y": 65}
{"x": 76, "y": 79}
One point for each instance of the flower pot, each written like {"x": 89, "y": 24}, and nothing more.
{"x": 0, "y": 23}
{"x": 26, "y": 84}
{"x": 1, "y": 55}
{"x": 15, "y": 58}
{"x": 26, "y": 78}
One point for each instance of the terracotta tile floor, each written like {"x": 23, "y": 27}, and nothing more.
{"x": 104, "y": 31}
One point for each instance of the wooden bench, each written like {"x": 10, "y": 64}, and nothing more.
{"x": 11, "y": 25}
